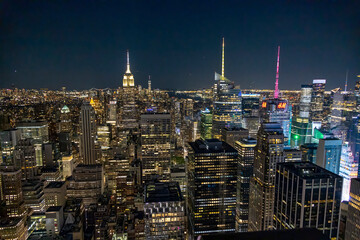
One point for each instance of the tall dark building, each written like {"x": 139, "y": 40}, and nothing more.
{"x": 307, "y": 195}
{"x": 353, "y": 219}
{"x": 317, "y": 100}
{"x": 87, "y": 134}
{"x": 268, "y": 152}
{"x": 211, "y": 193}
{"x": 245, "y": 148}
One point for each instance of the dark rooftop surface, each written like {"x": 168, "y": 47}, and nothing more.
{"x": 293, "y": 234}
{"x": 55, "y": 184}
{"x": 54, "y": 209}
{"x": 308, "y": 170}
{"x": 163, "y": 192}
{"x": 211, "y": 146}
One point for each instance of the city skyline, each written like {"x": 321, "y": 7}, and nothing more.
{"x": 85, "y": 49}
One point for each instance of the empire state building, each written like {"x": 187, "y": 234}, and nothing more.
{"x": 128, "y": 80}
{"x": 129, "y": 117}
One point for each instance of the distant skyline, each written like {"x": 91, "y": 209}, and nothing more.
{"x": 82, "y": 44}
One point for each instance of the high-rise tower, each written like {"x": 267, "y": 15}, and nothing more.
{"x": 88, "y": 133}
{"x": 268, "y": 152}
{"x": 128, "y": 80}
{"x": 227, "y": 110}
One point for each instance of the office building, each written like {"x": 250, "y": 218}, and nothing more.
{"x": 87, "y": 134}
{"x": 246, "y": 150}
{"x": 206, "y": 124}
{"x": 33, "y": 195}
{"x": 87, "y": 183}
{"x": 301, "y": 127}
{"x": 250, "y": 105}
{"x": 268, "y": 152}
{"x": 128, "y": 111}
{"x": 232, "y": 134}
{"x": 15, "y": 228}
{"x": 317, "y": 100}
{"x": 308, "y": 152}
{"x": 68, "y": 166}
{"x": 292, "y": 155}
{"x": 11, "y": 191}
{"x": 39, "y": 132}
{"x": 155, "y": 145}
{"x": 328, "y": 154}
{"x": 164, "y": 211}
{"x": 352, "y": 231}
{"x": 25, "y": 158}
{"x": 8, "y": 140}
{"x": 54, "y": 220}
{"x": 279, "y": 111}
{"x": 55, "y": 193}
{"x": 211, "y": 187}
{"x": 307, "y": 195}
{"x": 348, "y": 170}
{"x": 227, "y": 110}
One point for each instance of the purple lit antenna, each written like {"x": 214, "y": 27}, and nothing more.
{"x": 276, "y": 92}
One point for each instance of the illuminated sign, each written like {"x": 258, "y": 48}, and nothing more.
{"x": 263, "y": 105}
{"x": 281, "y": 105}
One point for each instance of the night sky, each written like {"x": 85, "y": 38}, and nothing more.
{"x": 82, "y": 44}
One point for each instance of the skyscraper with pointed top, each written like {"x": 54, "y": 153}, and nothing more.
{"x": 128, "y": 80}
{"x": 227, "y": 102}
{"x": 128, "y": 111}
{"x": 276, "y": 109}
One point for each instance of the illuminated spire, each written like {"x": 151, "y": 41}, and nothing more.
{"x": 223, "y": 59}
{"x": 346, "y": 80}
{"x": 276, "y": 92}
{"x": 128, "y": 62}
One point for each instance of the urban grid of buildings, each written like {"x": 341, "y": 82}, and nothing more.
{"x": 144, "y": 163}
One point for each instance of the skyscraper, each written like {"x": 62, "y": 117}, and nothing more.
{"x": 155, "y": 145}
{"x": 11, "y": 192}
{"x": 206, "y": 124}
{"x": 279, "y": 111}
{"x": 211, "y": 187}
{"x": 268, "y": 152}
{"x": 348, "y": 170}
{"x": 246, "y": 150}
{"x": 227, "y": 111}
{"x": 128, "y": 79}
{"x": 301, "y": 130}
{"x": 307, "y": 195}
{"x": 352, "y": 231}
{"x": 87, "y": 134}
{"x": 25, "y": 158}
{"x": 317, "y": 100}
{"x": 129, "y": 115}
{"x": 329, "y": 153}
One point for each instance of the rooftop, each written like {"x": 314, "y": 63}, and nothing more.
{"x": 163, "y": 192}
{"x": 58, "y": 184}
{"x": 211, "y": 146}
{"x": 308, "y": 170}
{"x": 54, "y": 209}
{"x": 293, "y": 234}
